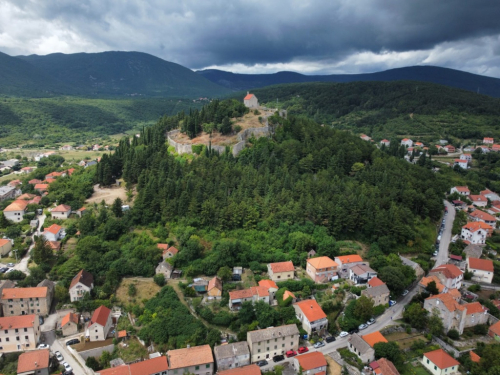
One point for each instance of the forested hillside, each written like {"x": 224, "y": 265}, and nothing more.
{"x": 385, "y": 109}
{"x": 307, "y": 188}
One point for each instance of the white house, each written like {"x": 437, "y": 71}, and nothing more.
{"x": 253, "y": 294}
{"x": 385, "y": 142}
{"x": 61, "y": 212}
{"x": 462, "y": 190}
{"x": 16, "y": 210}
{"x": 250, "y": 101}
{"x": 478, "y": 215}
{"x": 475, "y": 233}
{"x": 467, "y": 157}
{"x": 53, "y": 233}
{"x": 310, "y": 363}
{"x": 438, "y": 362}
{"x": 462, "y": 163}
{"x": 99, "y": 325}
{"x": 82, "y": 283}
{"x": 491, "y": 195}
{"x": 407, "y": 142}
{"x": 482, "y": 269}
{"x": 361, "y": 274}
{"x": 488, "y": 141}
{"x": 449, "y": 275}
{"x": 312, "y": 316}
{"x": 478, "y": 200}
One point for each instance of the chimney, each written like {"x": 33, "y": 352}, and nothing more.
{"x": 188, "y": 346}
{"x": 248, "y": 92}
{"x": 36, "y": 364}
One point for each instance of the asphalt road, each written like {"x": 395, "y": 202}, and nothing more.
{"x": 442, "y": 257}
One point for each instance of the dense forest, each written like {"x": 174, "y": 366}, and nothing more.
{"x": 387, "y": 109}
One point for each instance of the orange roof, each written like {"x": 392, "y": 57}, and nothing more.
{"x": 17, "y": 205}
{"x": 460, "y": 161}
{"x": 62, "y": 208}
{"x": 495, "y": 328}
{"x": 481, "y": 264}
{"x": 245, "y": 370}
{"x": 162, "y": 246}
{"x": 70, "y": 317}
{"x": 33, "y": 360}
{"x": 215, "y": 283}
{"x": 100, "y": 316}
{"x": 448, "y": 300}
{"x": 197, "y": 355}
{"x": 20, "y": 321}
{"x": 475, "y": 308}
{"x": 405, "y": 139}
{"x": 259, "y": 291}
{"x": 36, "y": 292}
{"x": 426, "y": 280}
{"x": 481, "y": 215}
{"x": 384, "y": 140}
{"x": 462, "y": 189}
{"x": 240, "y": 294}
{"x": 81, "y": 209}
{"x": 488, "y": 139}
{"x": 386, "y": 367}
{"x": 478, "y": 198}
{"x": 119, "y": 370}
{"x": 34, "y": 181}
{"x": 474, "y": 357}
{"x": 248, "y": 97}
{"x": 122, "y": 334}
{"x": 282, "y": 267}
{"x": 26, "y": 196}
{"x": 441, "y": 359}
{"x": 288, "y": 294}
{"x": 268, "y": 284}
{"x": 55, "y": 245}
{"x": 150, "y": 366}
{"x": 346, "y": 259}
{"x": 41, "y": 186}
{"x": 4, "y": 242}
{"x": 311, "y": 310}
{"x": 373, "y": 338}
{"x": 455, "y": 293}
{"x": 172, "y": 250}
{"x": 449, "y": 270}
{"x": 54, "y": 229}
{"x": 310, "y": 361}
{"x": 321, "y": 262}
{"x": 476, "y": 225}
{"x": 375, "y": 281}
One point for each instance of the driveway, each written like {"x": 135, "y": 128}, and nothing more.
{"x": 59, "y": 345}
{"x": 442, "y": 257}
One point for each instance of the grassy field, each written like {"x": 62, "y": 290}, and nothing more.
{"x": 146, "y": 289}
{"x": 131, "y": 350}
{"x": 404, "y": 340}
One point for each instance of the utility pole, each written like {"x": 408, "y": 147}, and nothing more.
{"x": 15, "y": 252}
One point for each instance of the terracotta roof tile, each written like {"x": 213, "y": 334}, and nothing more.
{"x": 245, "y": 370}
{"x": 100, "y": 316}
{"x": 282, "y": 267}
{"x": 173, "y": 250}
{"x": 462, "y": 189}
{"x": 162, "y": 246}
{"x": 54, "y": 229}
{"x": 69, "y": 317}
{"x": 441, "y": 359}
{"x": 450, "y": 271}
{"x": 322, "y": 262}
{"x": 310, "y": 361}
{"x": 149, "y": 366}
{"x": 373, "y": 338}
{"x": 474, "y": 357}
{"x": 260, "y": 291}
{"x": 62, "y": 208}
{"x": 194, "y": 356}
{"x": 41, "y": 186}
{"x": 4, "y": 242}
{"x": 268, "y": 284}
{"x": 481, "y": 215}
{"x": 248, "y": 97}
{"x": 119, "y": 370}
{"x": 215, "y": 283}
{"x": 387, "y": 367}
{"x": 311, "y": 310}
{"x": 475, "y": 308}
{"x": 375, "y": 281}
{"x": 448, "y": 300}
{"x": 426, "y": 280}
{"x": 33, "y": 360}
{"x": 480, "y": 264}
{"x": 288, "y": 294}
{"x": 346, "y": 259}
{"x": 240, "y": 294}
{"x": 17, "y": 205}
{"x": 21, "y": 321}
{"x": 36, "y": 292}
{"x": 495, "y": 328}
{"x": 122, "y": 334}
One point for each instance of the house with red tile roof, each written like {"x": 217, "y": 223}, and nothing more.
{"x": 54, "y": 175}
{"x": 61, "y": 212}
{"x": 271, "y": 287}
{"x": 439, "y": 362}
{"x": 252, "y": 369}
{"x": 214, "y": 289}
{"x": 170, "y": 252}
{"x": 495, "y": 148}
{"x": 311, "y": 363}
{"x": 197, "y": 360}
{"x": 425, "y": 281}
{"x": 14, "y": 301}
{"x": 347, "y": 261}
{"x": 34, "y": 362}
{"x": 488, "y": 141}
{"x": 383, "y": 366}
{"x": 153, "y": 366}
{"x": 99, "y": 325}
{"x": 474, "y": 357}
{"x": 15, "y": 183}
{"x": 5, "y": 246}
{"x": 478, "y": 200}
{"x": 34, "y": 181}
{"x": 476, "y": 314}
{"x": 250, "y": 101}
{"x": 10, "y": 327}
{"x": 312, "y": 316}
{"x": 322, "y": 269}
{"x": 373, "y": 282}
{"x": 69, "y": 324}
{"x": 494, "y": 331}
{"x": 467, "y": 157}
{"x": 16, "y": 210}
{"x": 364, "y": 137}
{"x": 461, "y": 163}
{"x": 491, "y": 195}
{"x": 53, "y": 233}
{"x": 449, "y": 149}
{"x": 482, "y": 269}
{"x": 41, "y": 188}
{"x": 478, "y": 215}
{"x": 475, "y": 233}
{"x": 252, "y": 294}
{"x": 287, "y": 294}
{"x": 281, "y": 271}
{"x": 449, "y": 275}
{"x": 406, "y": 142}
{"x": 385, "y": 142}
{"x": 82, "y": 283}
{"x": 462, "y": 190}
{"x": 362, "y": 346}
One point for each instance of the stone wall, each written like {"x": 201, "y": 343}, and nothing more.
{"x": 96, "y": 352}
{"x": 257, "y": 132}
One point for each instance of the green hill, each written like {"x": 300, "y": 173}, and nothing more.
{"x": 388, "y": 109}
{"x": 124, "y": 74}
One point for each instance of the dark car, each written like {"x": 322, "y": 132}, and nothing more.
{"x": 278, "y": 358}
{"x": 3, "y": 269}
{"x": 354, "y": 330}
{"x": 72, "y": 342}
{"x": 261, "y": 363}
{"x": 330, "y": 339}
{"x": 40, "y": 320}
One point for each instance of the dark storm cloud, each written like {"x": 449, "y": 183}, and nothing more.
{"x": 318, "y": 36}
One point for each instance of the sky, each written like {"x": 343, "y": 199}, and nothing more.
{"x": 310, "y": 37}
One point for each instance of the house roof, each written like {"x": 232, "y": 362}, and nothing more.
{"x": 240, "y": 294}
{"x": 387, "y": 367}
{"x": 41, "y": 186}
{"x": 478, "y": 198}
{"x": 62, "y": 208}
{"x": 322, "y": 262}
{"x": 36, "y": 292}
{"x": 460, "y": 161}
{"x": 384, "y": 140}
{"x": 81, "y": 209}
{"x": 477, "y": 225}
{"x": 197, "y": 355}
{"x": 346, "y": 259}
{"x": 376, "y": 291}
{"x": 54, "y": 245}
{"x": 282, "y": 267}
{"x": 162, "y": 246}
{"x": 441, "y": 359}
{"x": 215, "y": 283}
{"x": 495, "y": 328}
{"x": 259, "y": 291}
{"x": 373, "y": 338}
{"x": 33, "y": 360}
{"x": 406, "y": 139}
{"x": 122, "y": 333}
{"x": 375, "y": 281}
{"x": 450, "y": 303}
{"x": 231, "y": 350}
{"x": 54, "y": 229}
{"x": 100, "y": 316}
{"x": 252, "y": 369}
{"x": 19, "y": 321}
{"x": 69, "y": 317}
{"x": 361, "y": 269}
{"x": 26, "y": 196}
{"x": 248, "y": 97}
{"x": 17, "y": 205}
{"x": 455, "y": 257}
{"x": 312, "y": 360}
{"x": 450, "y": 271}
{"x": 474, "y": 357}
{"x": 173, "y": 250}
{"x": 455, "y": 293}
{"x": 475, "y": 308}
{"x": 480, "y": 264}
{"x": 268, "y": 284}
{"x": 34, "y": 181}
{"x": 488, "y": 139}
{"x": 359, "y": 343}
{"x": 149, "y": 366}
{"x": 462, "y": 189}
{"x": 83, "y": 277}
{"x": 272, "y": 333}
{"x": 426, "y": 280}
{"x": 311, "y": 310}
{"x": 4, "y": 242}
{"x": 288, "y": 294}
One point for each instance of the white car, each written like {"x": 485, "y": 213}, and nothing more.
{"x": 405, "y": 293}
{"x": 371, "y": 321}
{"x": 10, "y": 270}
{"x": 59, "y": 356}
{"x": 67, "y": 367}
{"x": 343, "y": 334}
{"x": 10, "y": 264}
{"x": 392, "y": 303}
{"x": 362, "y": 326}
{"x": 43, "y": 346}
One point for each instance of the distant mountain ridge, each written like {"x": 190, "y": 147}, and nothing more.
{"x": 433, "y": 74}
{"x": 102, "y": 74}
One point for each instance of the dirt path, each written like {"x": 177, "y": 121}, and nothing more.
{"x": 108, "y": 195}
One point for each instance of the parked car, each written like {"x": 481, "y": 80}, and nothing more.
{"x": 343, "y": 334}
{"x": 10, "y": 264}
{"x": 59, "y": 356}
{"x": 3, "y": 269}
{"x": 72, "y": 342}
{"x": 319, "y": 344}
{"x": 40, "y": 320}
{"x": 303, "y": 349}
{"x": 330, "y": 339}
{"x": 435, "y": 254}
{"x": 291, "y": 353}
{"x": 43, "y": 346}
{"x": 10, "y": 270}
{"x": 392, "y": 303}
{"x": 371, "y": 321}
{"x": 405, "y": 293}
{"x": 362, "y": 326}
{"x": 278, "y": 358}
{"x": 354, "y": 330}
{"x": 67, "y": 367}
{"x": 261, "y": 363}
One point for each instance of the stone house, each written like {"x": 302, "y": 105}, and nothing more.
{"x": 476, "y": 314}
{"x": 271, "y": 287}
{"x": 312, "y": 316}
{"x": 214, "y": 290}
{"x": 7, "y": 192}
{"x": 321, "y": 269}
{"x": 24, "y": 301}
{"x": 266, "y": 343}
{"x": 362, "y": 346}
{"x": 379, "y": 294}
{"x": 419, "y": 272}
{"x": 281, "y": 271}
{"x": 19, "y": 333}
{"x": 82, "y": 283}
{"x": 34, "y": 362}
{"x": 450, "y": 311}
{"x": 232, "y": 355}
{"x": 69, "y": 324}
{"x": 99, "y": 325}
{"x": 348, "y": 261}
{"x": 197, "y": 360}
{"x": 473, "y": 251}
{"x": 250, "y": 101}
{"x": 165, "y": 268}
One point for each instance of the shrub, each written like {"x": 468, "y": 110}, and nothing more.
{"x": 481, "y": 329}
{"x": 237, "y": 128}
{"x": 453, "y": 334}
{"x": 159, "y": 279}
{"x": 474, "y": 288}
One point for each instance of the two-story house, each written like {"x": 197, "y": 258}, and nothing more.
{"x": 35, "y": 362}
{"x": 450, "y": 311}
{"x": 406, "y": 142}
{"x": 281, "y": 271}
{"x": 449, "y": 275}
{"x": 266, "y": 343}
{"x": 348, "y": 261}
{"x": 82, "y": 283}
{"x": 196, "y": 360}
{"x": 438, "y": 362}
{"x": 378, "y": 291}
{"x": 475, "y": 314}
{"x": 462, "y": 190}
{"x": 312, "y": 316}
{"x": 482, "y": 269}
{"x": 478, "y": 200}
{"x": 99, "y": 325}
{"x": 232, "y": 355}
{"x": 271, "y": 287}
{"x": 321, "y": 269}
{"x": 61, "y": 212}
{"x": 16, "y": 210}
{"x": 214, "y": 288}
{"x": 478, "y": 215}
{"x": 362, "y": 346}
{"x": 18, "y": 333}
{"x": 361, "y": 274}
{"x": 53, "y": 233}
{"x": 253, "y": 294}
{"x": 25, "y": 301}
{"x": 475, "y": 233}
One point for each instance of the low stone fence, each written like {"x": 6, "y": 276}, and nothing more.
{"x": 257, "y": 132}
{"x": 456, "y": 353}
{"x": 96, "y": 352}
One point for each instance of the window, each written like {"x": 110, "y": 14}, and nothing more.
{"x": 6, "y": 331}
{"x": 282, "y": 345}
{"x": 275, "y": 340}
{"x": 17, "y": 338}
{"x": 16, "y": 330}
{"x": 275, "y": 347}
{"x": 267, "y": 348}
{"x": 258, "y": 351}
{"x": 196, "y": 367}
{"x": 207, "y": 366}
{"x": 26, "y": 337}
{"x": 435, "y": 367}
{"x": 26, "y": 330}
{"x": 7, "y": 339}
{"x": 427, "y": 361}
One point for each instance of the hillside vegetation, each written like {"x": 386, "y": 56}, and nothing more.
{"x": 385, "y": 109}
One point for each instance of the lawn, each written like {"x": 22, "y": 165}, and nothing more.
{"x": 404, "y": 340}
{"x": 146, "y": 289}
{"x": 131, "y": 349}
